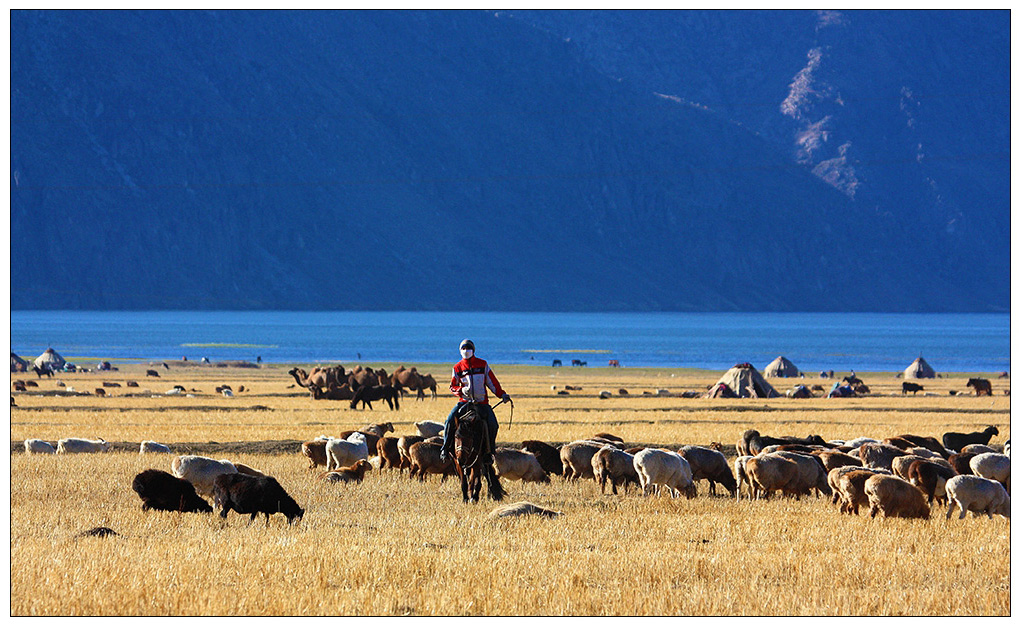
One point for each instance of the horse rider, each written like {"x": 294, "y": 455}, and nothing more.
{"x": 472, "y": 378}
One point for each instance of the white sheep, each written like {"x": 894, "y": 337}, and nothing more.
{"x": 994, "y": 466}
{"x": 346, "y": 452}
{"x": 153, "y": 447}
{"x": 980, "y": 495}
{"x": 739, "y": 469}
{"x": 976, "y": 448}
{"x": 429, "y": 429}
{"x": 72, "y": 445}
{"x": 200, "y": 471}
{"x": 859, "y": 441}
{"x": 661, "y": 467}
{"x": 519, "y": 465}
{"x": 38, "y": 446}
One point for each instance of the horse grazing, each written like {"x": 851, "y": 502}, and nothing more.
{"x": 366, "y": 395}
{"x": 471, "y": 457}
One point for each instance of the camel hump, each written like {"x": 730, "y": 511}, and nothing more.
{"x": 414, "y": 369}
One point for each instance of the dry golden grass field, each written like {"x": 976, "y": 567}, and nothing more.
{"x": 393, "y": 546}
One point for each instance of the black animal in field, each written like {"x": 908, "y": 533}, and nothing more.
{"x": 251, "y": 495}
{"x": 910, "y": 387}
{"x": 162, "y": 491}
{"x": 981, "y": 385}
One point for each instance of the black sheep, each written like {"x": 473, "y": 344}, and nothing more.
{"x": 548, "y": 456}
{"x": 958, "y": 441}
{"x": 253, "y": 495}
{"x": 165, "y": 492}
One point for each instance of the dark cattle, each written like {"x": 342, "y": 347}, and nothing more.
{"x": 557, "y": 363}
{"x": 981, "y": 385}
{"x": 930, "y": 443}
{"x": 578, "y": 363}
{"x": 132, "y": 383}
{"x": 31, "y": 383}
{"x": 100, "y": 391}
{"x": 958, "y": 441}
{"x": 162, "y": 491}
{"x": 613, "y": 363}
{"x": 1003, "y": 375}
{"x": 18, "y": 385}
{"x": 548, "y": 456}
{"x": 251, "y": 495}
{"x": 152, "y": 373}
{"x": 45, "y": 370}
{"x": 910, "y": 387}
{"x": 366, "y": 395}
{"x": 109, "y": 384}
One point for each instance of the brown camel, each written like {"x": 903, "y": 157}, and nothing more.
{"x": 404, "y": 378}
{"x": 334, "y": 392}
{"x": 321, "y": 376}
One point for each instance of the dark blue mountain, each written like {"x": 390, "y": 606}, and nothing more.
{"x": 479, "y": 160}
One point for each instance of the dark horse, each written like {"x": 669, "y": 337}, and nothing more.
{"x": 366, "y": 395}
{"x": 471, "y": 457}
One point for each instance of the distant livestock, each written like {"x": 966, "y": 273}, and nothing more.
{"x": 958, "y": 441}
{"x": 38, "y": 446}
{"x": 980, "y": 495}
{"x": 161, "y": 491}
{"x": 200, "y": 471}
{"x": 77, "y": 446}
{"x": 152, "y": 447}
{"x": 657, "y": 467}
{"x": 152, "y": 373}
{"x": 251, "y": 495}
{"x": 908, "y": 387}
{"x": 981, "y": 386}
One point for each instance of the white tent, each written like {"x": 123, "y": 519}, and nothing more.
{"x": 50, "y": 359}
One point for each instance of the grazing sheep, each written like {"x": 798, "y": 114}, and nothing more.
{"x": 315, "y": 450}
{"x": 812, "y": 474}
{"x": 977, "y": 448}
{"x": 403, "y": 445}
{"x": 739, "y": 465}
{"x": 247, "y": 469}
{"x": 576, "y": 458}
{"x": 519, "y": 465}
{"x": 548, "y": 456}
{"x": 754, "y": 442}
{"x": 926, "y": 442}
{"x": 980, "y": 495}
{"x": 879, "y": 455}
{"x": 930, "y": 478}
{"x": 388, "y": 449}
{"x": 707, "y": 464}
{"x": 849, "y": 489}
{"x": 899, "y": 442}
{"x": 604, "y": 394}
{"x": 833, "y": 458}
{"x": 152, "y": 447}
{"x": 608, "y": 436}
{"x": 518, "y": 509}
{"x": 893, "y": 497}
{"x": 614, "y": 466}
{"x": 424, "y": 459}
{"x": 925, "y": 453}
{"x": 253, "y": 495}
{"x": 662, "y": 467}
{"x": 354, "y": 474}
{"x": 769, "y": 473}
{"x": 346, "y": 452}
{"x": 993, "y": 466}
{"x": 958, "y": 441}
{"x": 200, "y": 471}
{"x": 163, "y": 492}
{"x": 38, "y": 446}
{"x": 859, "y": 441}
{"x": 791, "y": 447}
{"x": 961, "y": 463}
{"x": 900, "y": 464}
{"x": 429, "y": 429}
{"x": 76, "y": 446}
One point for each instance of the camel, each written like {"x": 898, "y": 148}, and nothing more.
{"x": 321, "y": 376}
{"x": 334, "y": 392}
{"x": 404, "y": 378}
{"x": 363, "y": 376}
{"x": 427, "y": 382}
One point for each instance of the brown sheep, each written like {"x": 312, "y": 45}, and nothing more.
{"x": 707, "y": 464}
{"x": 548, "y": 456}
{"x": 899, "y": 442}
{"x": 315, "y": 451}
{"x": 608, "y": 436}
{"x": 576, "y": 458}
{"x": 519, "y": 465}
{"x": 388, "y": 449}
{"x": 424, "y": 459}
{"x": 894, "y": 497}
{"x": 930, "y": 479}
{"x": 879, "y": 455}
{"x": 610, "y": 465}
{"x": 770, "y": 473}
{"x": 403, "y": 445}
{"x": 900, "y": 465}
{"x": 811, "y": 475}
{"x": 960, "y": 462}
{"x": 833, "y": 458}
{"x": 354, "y": 474}
{"x": 851, "y": 490}
{"x": 930, "y": 443}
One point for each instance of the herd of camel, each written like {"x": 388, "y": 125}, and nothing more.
{"x": 363, "y": 384}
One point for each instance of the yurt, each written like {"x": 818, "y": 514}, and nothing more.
{"x": 50, "y": 359}
{"x": 18, "y": 364}
{"x": 781, "y": 368}
{"x": 742, "y": 381}
{"x": 919, "y": 369}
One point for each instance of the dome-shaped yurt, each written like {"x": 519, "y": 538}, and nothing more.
{"x": 50, "y": 359}
{"x": 742, "y": 381}
{"x": 919, "y": 369}
{"x": 18, "y": 364}
{"x": 781, "y": 368}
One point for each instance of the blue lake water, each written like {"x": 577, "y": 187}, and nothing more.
{"x": 812, "y": 341}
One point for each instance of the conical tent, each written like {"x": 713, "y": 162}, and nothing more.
{"x": 781, "y": 368}
{"x": 919, "y": 369}
{"x": 744, "y": 381}
{"x": 18, "y": 364}
{"x": 51, "y": 359}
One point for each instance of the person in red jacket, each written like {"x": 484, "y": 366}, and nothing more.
{"x": 472, "y": 378}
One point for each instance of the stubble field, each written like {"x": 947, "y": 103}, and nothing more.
{"x": 393, "y": 546}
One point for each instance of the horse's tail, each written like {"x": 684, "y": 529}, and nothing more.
{"x": 396, "y": 398}
{"x": 495, "y": 490}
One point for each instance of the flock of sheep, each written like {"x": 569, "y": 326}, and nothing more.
{"x": 897, "y": 477}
